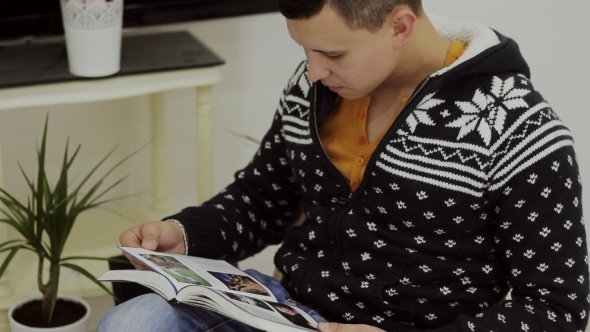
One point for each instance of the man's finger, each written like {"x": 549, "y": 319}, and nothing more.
{"x": 337, "y": 327}
{"x": 129, "y": 238}
{"x": 150, "y": 233}
{"x": 136, "y": 263}
{"x": 142, "y": 236}
{"x": 330, "y": 327}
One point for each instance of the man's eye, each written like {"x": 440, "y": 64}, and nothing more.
{"x": 333, "y": 56}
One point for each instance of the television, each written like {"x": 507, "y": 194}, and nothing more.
{"x": 31, "y": 19}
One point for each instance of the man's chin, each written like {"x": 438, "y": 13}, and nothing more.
{"x": 350, "y": 95}
{"x": 336, "y": 89}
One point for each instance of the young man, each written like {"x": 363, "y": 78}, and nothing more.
{"x": 433, "y": 177}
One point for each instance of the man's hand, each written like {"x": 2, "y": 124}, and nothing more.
{"x": 337, "y": 327}
{"x": 162, "y": 236}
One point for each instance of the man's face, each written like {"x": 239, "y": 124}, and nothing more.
{"x": 352, "y": 63}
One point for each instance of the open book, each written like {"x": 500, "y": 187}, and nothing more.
{"x": 214, "y": 285}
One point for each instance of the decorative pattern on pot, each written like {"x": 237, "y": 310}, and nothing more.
{"x": 92, "y": 13}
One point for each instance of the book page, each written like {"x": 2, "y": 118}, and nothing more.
{"x": 266, "y": 315}
{"x": 272, "y": 311}
{"x": 153, "y": 280}
{"x": 184, "y": 271}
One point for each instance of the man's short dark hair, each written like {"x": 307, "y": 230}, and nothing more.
{"x": 357, "y": 14}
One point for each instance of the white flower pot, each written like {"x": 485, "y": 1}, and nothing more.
{"x": 79, "y": 326}
{"x": 93, "y": 36}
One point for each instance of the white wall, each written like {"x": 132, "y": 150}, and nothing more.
{"x": 260, "y": 57}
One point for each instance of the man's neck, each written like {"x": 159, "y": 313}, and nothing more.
{"x": 424, "y": 55}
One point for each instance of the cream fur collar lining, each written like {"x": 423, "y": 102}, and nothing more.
{"x": 477, "y": 36}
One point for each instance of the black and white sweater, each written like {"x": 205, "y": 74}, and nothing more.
{"x": 472, "y": 193}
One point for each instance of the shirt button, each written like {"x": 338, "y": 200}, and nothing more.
{"x": 362, "y": 140}
{"x": 361, "y": 115}
{"x": 360, "y": 161}
{"x": 354, "y": 186}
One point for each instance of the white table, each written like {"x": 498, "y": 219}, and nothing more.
{"x": 19, "y": 280}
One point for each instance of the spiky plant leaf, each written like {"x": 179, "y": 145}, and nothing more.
{"x": 48, "y": 216}
{"x": 84, "y": 272}
{"x": 13, "y": 251}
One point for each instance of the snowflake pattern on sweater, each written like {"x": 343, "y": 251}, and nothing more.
{"x": 472, "y": 193}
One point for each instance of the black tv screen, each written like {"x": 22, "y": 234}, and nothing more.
{"x": 38, "y": 18}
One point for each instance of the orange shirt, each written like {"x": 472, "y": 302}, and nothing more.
{"x": 344, "y": 131}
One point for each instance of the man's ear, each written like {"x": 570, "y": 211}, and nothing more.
{"x": 401, "y": 23}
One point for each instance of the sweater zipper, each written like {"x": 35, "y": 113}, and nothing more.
{"x": 335, "y": 255}
{"x": 344, "y": 200}
{"x": 341, "y": 200}
{"x": 371, "y": 163}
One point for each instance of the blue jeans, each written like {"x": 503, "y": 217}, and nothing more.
{"x": 152, "y": 313}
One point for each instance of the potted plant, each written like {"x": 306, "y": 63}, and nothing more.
{"x": 44, "y": 222}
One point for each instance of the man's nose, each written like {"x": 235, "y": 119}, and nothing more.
{"x": 317, "y": 70}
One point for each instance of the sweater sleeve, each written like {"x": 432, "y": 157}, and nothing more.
{"x": 252, "y": 212}
{"x": 540, "y": 236}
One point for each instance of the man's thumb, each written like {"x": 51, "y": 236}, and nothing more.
{"x": 149, "y": 236}
{"x": 328, "y": 327}
{"x": 149, "y": 243}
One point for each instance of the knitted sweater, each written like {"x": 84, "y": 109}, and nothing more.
{"x": 472, "y": 193}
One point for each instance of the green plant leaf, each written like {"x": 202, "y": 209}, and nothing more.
{"x": 46, "y": 250}
{"x": 115, "y": 212}
{"x": 11, "y": 201}
{"x": 19, "y": 228}
{"x": 54, "y": 277}
{"x": 41, "y": 179}
{"x": 61, "y": 193}
{"x": 88, "y": 275}
{"x": 48, "y": 215}
{"x": 13, "y": 251}
{"x": 246, "y": 137}
{"x": 98, "y": 196}
{"x": 15, "y": 211}
{"x": 69, "y": 258}
{"x": 101, "y": 179}
{"x": 18, "y": 220}
{"x": 100, "y": 204}
{"x": 89, "y": 175}
{"x": 29, "y": 182}
{"x": 7, "y": 243}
